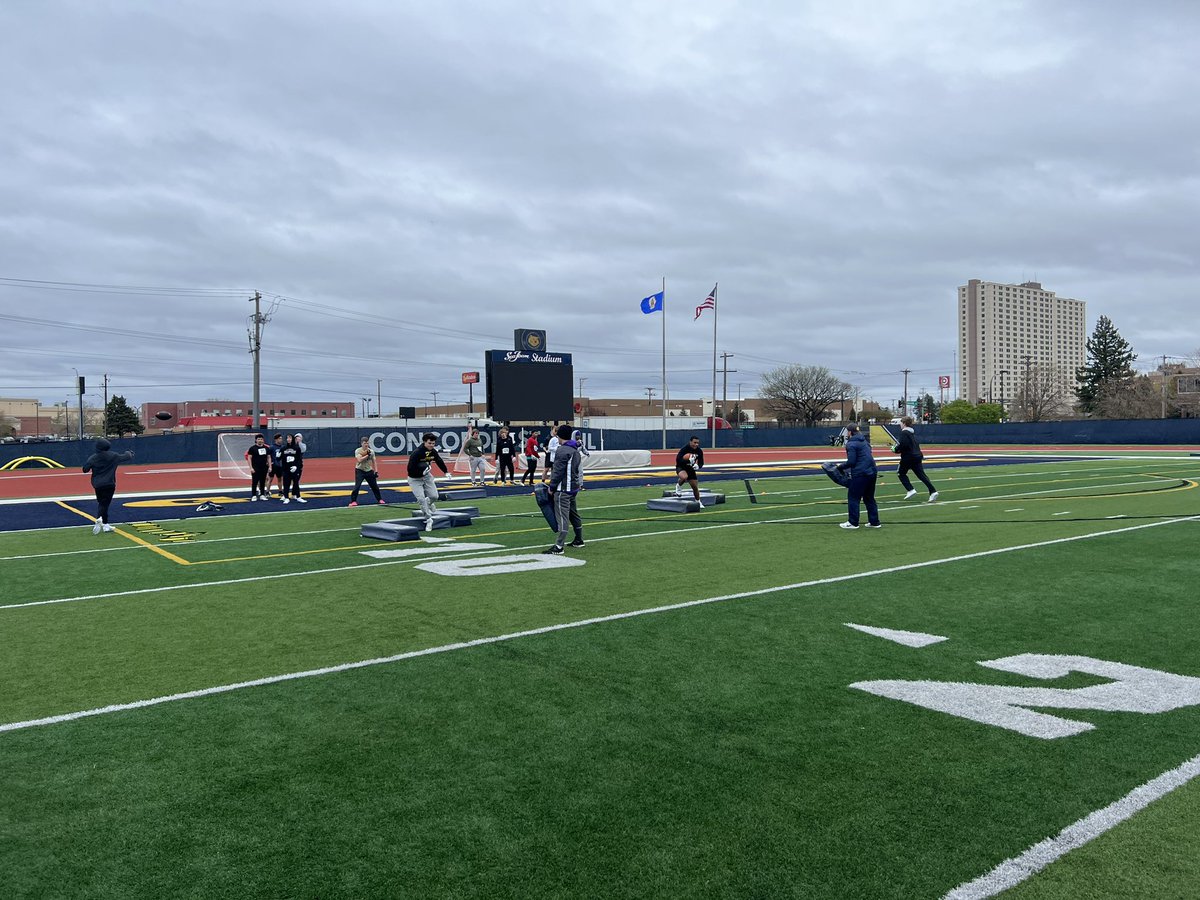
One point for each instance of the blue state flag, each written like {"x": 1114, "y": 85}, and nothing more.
{"x": 653, "y": 303}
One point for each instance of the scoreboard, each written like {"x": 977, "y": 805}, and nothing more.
{"x": 529, "y": 386}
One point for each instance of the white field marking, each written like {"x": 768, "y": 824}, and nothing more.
{"x": 907, "y": 638}
{"x": 1121, "y": 516}
{"x": 797, "y": 492}
{"x": 1018, "y": 509}
{"x": 500, "y": 565}
{"x": 1131, "y": 689}
{"x": 426, "y": 550}
{"x": 400, "y": 484}
{"x": 123, "y": 547}
{"x": 662, "y": 532}
{"x": 358, "y": 566}
{"x": 181, "y": 525}
{"x": 1066, "y": 512}
{"x": 1020, "y": 868}
{"x": 548, "y": 629}
{"x": 515, "y": 516}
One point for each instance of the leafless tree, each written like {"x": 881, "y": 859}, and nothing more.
{"x": 798, "y": 393}
{"x": 1137, "y": 398}
{"x": 1041, "y": 394}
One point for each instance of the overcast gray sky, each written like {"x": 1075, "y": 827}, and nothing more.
{"x": 417, "y": 180}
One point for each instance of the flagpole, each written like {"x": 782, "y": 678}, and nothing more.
{"x": 714, "y": 383}
{"x": 664, "y": 363}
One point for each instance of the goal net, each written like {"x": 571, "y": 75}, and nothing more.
{"x": 231, "y": 454}
{"x": 462, "y": 465}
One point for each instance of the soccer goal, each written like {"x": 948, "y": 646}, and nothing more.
{"x": 462, "y": 466}
{"x": 231, "y": 455}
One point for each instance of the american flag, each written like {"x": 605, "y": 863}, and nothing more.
{"x": 710, "y": 302}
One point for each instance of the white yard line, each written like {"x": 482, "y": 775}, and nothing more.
{"x": 1020, "y": 868}
{"x": 898, "y": 508}
{"x": 548, "y": 629}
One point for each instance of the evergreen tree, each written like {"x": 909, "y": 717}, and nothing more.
{"x": 1109, "y": 366}
{"x": 119, "y": 417}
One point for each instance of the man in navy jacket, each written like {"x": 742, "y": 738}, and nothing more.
{"x": 863, "y": 473}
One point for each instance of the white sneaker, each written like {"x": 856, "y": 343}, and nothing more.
{"x": 429, "y": 524}
{"x": 96, "y": 528}
{"x": 300, "y": 500}
{"x": 253, "y": 498}
{"x": 933, "y": 496}
{"x": 847, "y": 525}
{"x": 700, "y": 504}
{"x": 910, "y": 495}
{"x": 107, "y": 527}
{"x": 286, "y": 500}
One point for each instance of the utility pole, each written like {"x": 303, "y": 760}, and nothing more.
{"x": 725, "y": 370}
{"x": 582, "y": 410}
{"x": 257, "y": 321}
{"x": 435, "y": 393}
{"x": 106, "y": 404}
{"x": 379, "y": 396}
{"x": 366, "y": 407}
{"x": 904, "y": 399}
{"x": 1164, "y": 390}
{"x": 650, "y": 397}
{"x": 1028, "y": 360}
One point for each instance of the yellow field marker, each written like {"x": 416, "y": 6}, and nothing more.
{"x": 133, "y": 537}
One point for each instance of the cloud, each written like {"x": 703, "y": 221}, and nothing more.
{"x": 421, "y": 181}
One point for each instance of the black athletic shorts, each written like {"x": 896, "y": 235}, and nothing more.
{"x": 688, "y": 471}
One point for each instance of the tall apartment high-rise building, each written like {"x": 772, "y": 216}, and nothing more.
{"x": 1003, "y": 329}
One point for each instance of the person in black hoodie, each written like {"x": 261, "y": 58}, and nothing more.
{"x": 910, "y": 460}
{"x": 293, "y": 468}
{"x": 506, "y": 453}
{"x": 420, "y": 475}
{"x": 103, "y": 466}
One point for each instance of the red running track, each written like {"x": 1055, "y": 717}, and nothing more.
{"x": 41, "y": 483}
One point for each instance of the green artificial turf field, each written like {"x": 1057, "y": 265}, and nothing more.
{"x": 677, "y": 709}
